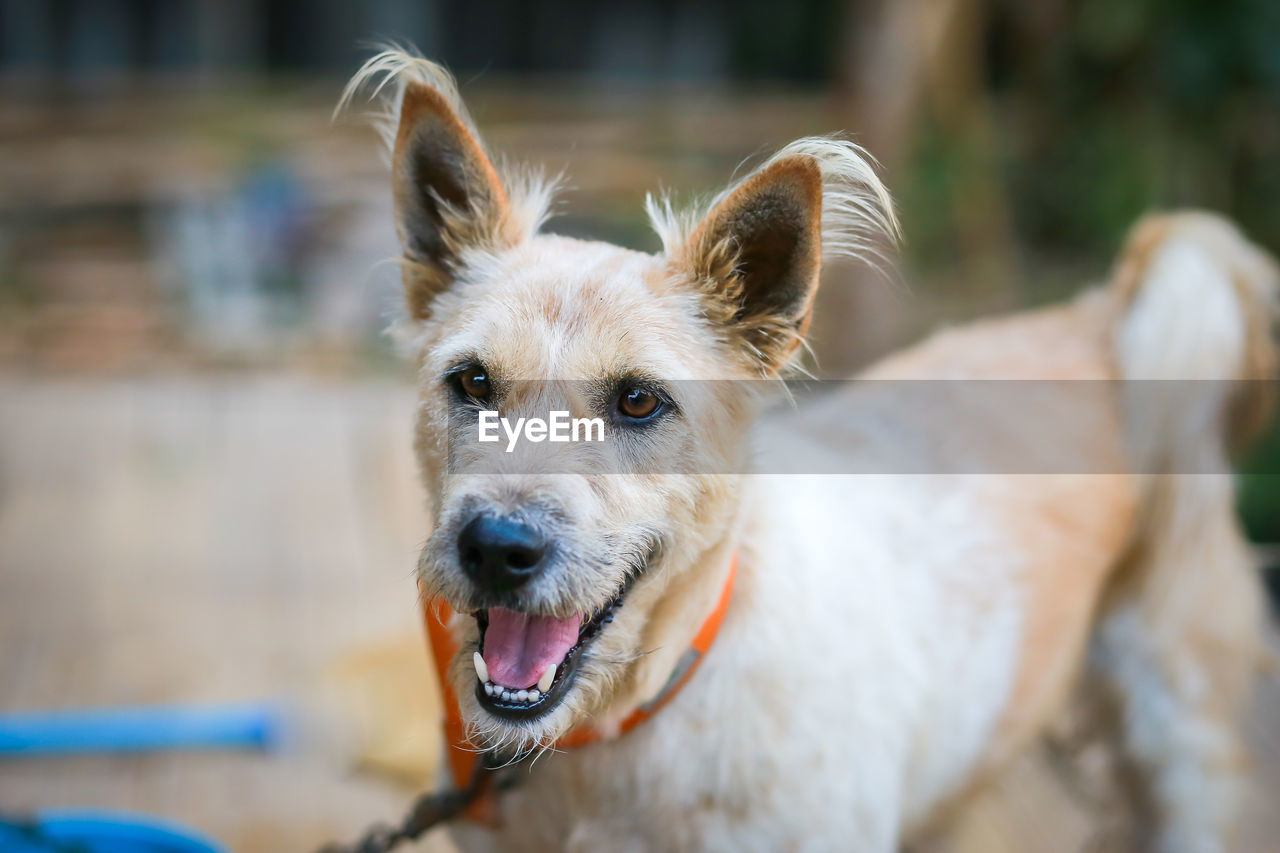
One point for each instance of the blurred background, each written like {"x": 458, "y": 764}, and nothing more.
{"x": 206, "y": 492}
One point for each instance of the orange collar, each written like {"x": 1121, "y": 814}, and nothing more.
{"x": 436, "y": 614}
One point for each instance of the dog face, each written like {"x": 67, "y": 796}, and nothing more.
{"x": 540, "y": 544}
{"x": 545, "y": 544}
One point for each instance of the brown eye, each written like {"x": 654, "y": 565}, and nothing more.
{"x": 638, "y": 404}
{"x": 474, "y": 382}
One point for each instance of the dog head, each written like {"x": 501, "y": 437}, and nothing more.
{"x": 583, "y": 569}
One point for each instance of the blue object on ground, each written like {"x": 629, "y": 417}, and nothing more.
{"x": 38, "y": 733}
{"x": 99, "y": 832}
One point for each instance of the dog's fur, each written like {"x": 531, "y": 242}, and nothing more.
{"x": 892, "y": 639}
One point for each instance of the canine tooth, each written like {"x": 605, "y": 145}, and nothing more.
{"x": 544, "y": 683}
{"x": 482, "y": 671}
{"x": 523, "y": 695}
{"x": 506, "y": 696}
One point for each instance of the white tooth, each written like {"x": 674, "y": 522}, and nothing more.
{"x": 544, "y": 683}
{"x": 482, "y": 671}
{"x": 488, "y": 688}
{"x": 506, "y": 696}
{"x": 534, "y": 694}
{"x": 523, "y": 695}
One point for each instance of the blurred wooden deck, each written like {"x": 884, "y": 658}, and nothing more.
{"x": 211, "y": 540}
{"x": 230, "y": 538}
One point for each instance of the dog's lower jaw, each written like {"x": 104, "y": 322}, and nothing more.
{"x": 587, "y": 693}
{"x": 594, "y": 700}
{"x": 509, "y": 740}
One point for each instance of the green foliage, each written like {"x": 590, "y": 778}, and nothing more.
{"x": 1119, "y": 106}
{"x": 1260, "y": 489}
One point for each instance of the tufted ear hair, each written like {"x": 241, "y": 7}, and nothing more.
{"x": 760, "y": 250}
{"x": 757, "y": 253}
{"x": 448, "y": 196}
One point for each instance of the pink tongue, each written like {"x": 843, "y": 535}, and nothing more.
{"x": 518, "y": 647}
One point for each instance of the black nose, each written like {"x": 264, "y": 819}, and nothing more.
{"x": 500, "y": 553}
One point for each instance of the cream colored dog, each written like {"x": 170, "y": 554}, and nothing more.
{"x": 892, "y": 638}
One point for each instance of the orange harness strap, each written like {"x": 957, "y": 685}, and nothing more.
{"x": 436, "y": 614}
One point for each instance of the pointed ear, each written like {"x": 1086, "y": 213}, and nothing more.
{"x": 448, "y": 196}
{"x": 756, "y": 258}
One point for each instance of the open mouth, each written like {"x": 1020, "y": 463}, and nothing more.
{"x": 526, "y": 662}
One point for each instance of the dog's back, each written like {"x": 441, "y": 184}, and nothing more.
{"x": 1134, "y": 564}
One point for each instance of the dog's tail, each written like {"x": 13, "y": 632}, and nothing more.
{"x": 1199, "y": 306}
{"x": 1181, "y": 635}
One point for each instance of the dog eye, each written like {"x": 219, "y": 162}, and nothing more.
{"x": 474, "y": 382}
{"x": 639, "y": 404}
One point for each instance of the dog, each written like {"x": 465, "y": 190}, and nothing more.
{"x": 875, "y": 643}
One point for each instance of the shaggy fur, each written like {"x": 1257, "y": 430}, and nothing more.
{"x": 892, "y": 639}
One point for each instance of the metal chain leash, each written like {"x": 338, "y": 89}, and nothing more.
{"x": 429, "y": 811}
